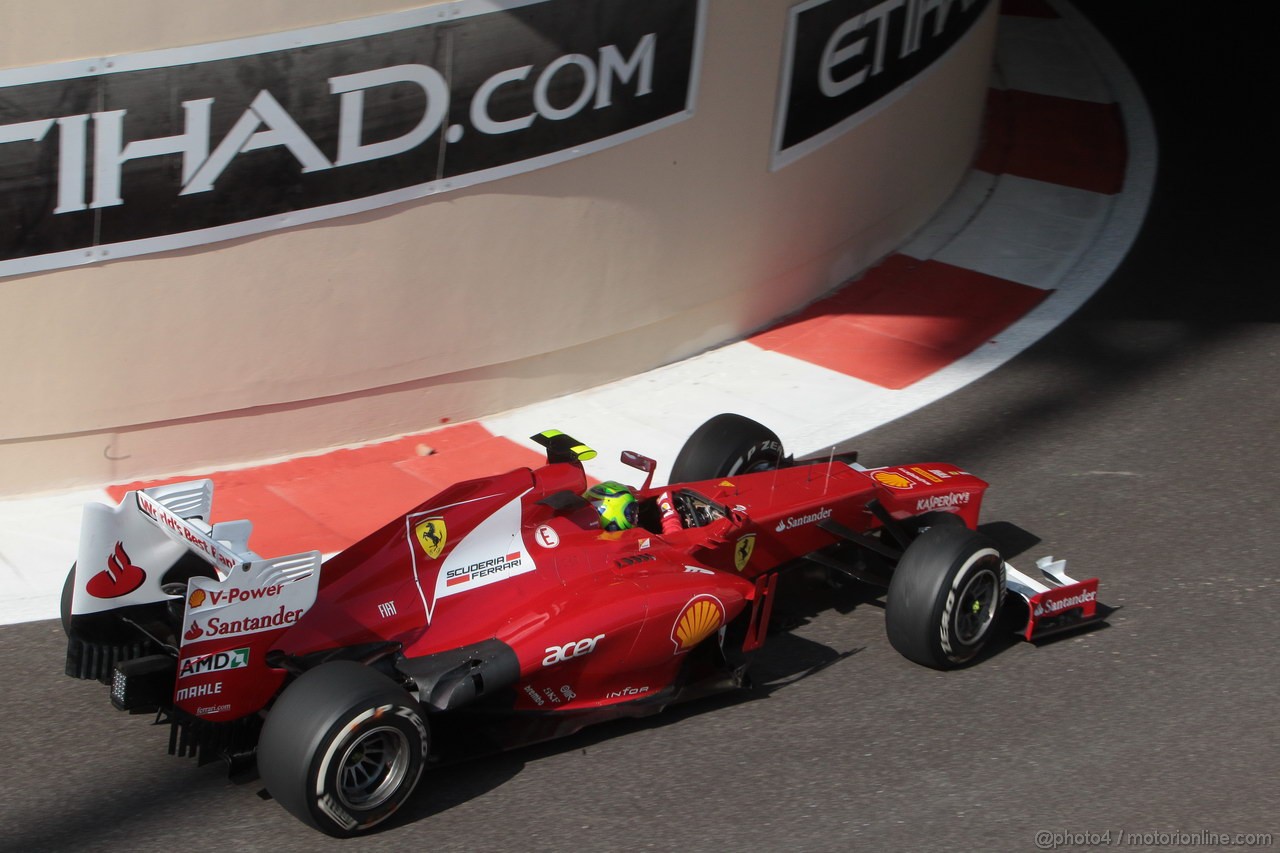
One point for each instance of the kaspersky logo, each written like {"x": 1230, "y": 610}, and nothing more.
{"x": 119, "y": 578}
{"x": 432, "y": 535}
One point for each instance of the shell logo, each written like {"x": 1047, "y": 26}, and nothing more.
{"x": 197, "y": 599}
{"x": 700, "y": 618}
{"x": 892, "y": 480}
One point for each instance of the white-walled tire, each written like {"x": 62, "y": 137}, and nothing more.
{"x": 944, "y": 597}
{"x": 343, "y": 748}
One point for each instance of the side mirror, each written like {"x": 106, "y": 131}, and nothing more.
{"x": 641, "y": 463}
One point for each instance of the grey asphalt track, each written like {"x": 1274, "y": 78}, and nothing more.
{"x": 1137, "y": 440}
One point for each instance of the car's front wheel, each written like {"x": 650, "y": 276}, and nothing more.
{"x": 945, "y": 596}
{"x": 343, "y": 748}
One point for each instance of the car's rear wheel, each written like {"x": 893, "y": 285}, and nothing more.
{"x": 64, "y": 603}
{"x": 343, "y": 748}
{"x": 726, "y": 446}
{"x": 945, "y": 596}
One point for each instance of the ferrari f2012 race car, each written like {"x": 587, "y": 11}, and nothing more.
{"x": 502, "y": 607}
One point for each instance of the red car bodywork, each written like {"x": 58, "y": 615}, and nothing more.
{"x": 501, "y": 593}
{"x": 594, "y": 617}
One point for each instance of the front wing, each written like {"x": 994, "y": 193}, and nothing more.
{"x": 1059, "y": 603}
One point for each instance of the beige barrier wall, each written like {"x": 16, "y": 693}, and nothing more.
{"x": 462, "y": 304}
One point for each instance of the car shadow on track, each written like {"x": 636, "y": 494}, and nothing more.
{"x": 785, "y": 660}
{"x": 805, "y": 596}
{"x": 1012, "y": 541}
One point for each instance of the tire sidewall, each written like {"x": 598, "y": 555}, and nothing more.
{"x": 985, "y": 560}
{"x": 766, "y": 452}
{"x": 326, "y": 805}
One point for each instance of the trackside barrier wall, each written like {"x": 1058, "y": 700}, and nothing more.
{"x": 556, "y": 237}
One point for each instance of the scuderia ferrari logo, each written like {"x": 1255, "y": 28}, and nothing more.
{"x": 742, "y": 551}
{"x": 431, "y": 534}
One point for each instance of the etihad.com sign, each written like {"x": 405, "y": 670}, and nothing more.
{"x": 844, "y": 60}
{"x": 146, "y": 152}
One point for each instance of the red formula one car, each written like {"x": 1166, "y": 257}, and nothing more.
{"x": 502, "y": 606}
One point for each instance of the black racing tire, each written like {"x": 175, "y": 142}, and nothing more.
{"x": 64, "y": 604}
{"x": 916, "y": 525}
{"x": 945, "y": 596}
{"x": 726, "y": 446}
{"x": 935, "y": 518}
{"x": 343, "y": 748}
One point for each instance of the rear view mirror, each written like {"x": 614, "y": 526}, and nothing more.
{"x": 642, "y": 463}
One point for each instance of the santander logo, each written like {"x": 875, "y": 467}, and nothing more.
{"x": 119, "y": 578}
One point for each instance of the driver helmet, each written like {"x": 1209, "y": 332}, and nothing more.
{"x": 615, "y": 503}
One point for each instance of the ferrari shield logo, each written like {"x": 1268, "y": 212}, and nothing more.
{"x": 431, "y": 534}
{"x": 742, "y": 551}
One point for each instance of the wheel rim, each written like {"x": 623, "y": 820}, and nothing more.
{"x": 373, "y": 768}
{"x": 976, "y": 607}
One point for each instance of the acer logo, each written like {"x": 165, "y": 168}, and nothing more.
{"x": 559, "y": 654}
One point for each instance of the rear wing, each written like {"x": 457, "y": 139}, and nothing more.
{"x": 181, "y": 511}
{"x": 126, "y": 551}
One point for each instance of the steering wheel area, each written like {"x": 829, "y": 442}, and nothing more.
{"x": 696, "y": 510}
